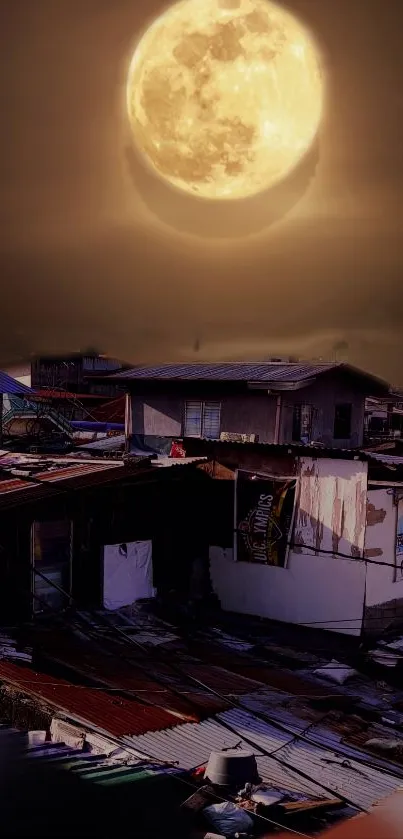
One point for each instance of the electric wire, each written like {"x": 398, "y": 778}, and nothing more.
{"x": 265, "y": 718}
{"x": 211, "y": 690}
{"x": 256, "y": 714}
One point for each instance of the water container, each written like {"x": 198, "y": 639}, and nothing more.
{"x": 232, "y": 768}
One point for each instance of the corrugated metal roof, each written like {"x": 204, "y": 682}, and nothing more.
{"x": 387, "y": 459}
{"x": 283, "y": 679}
{"x": 165, "y": 462}
{"x": 263, "y": 371}
{"x": 112, "y": 714}
{"x": 13, "y": 485}
{"x": 338, "y": 732}
{"x": 219, "y": 679}
{"x": 10, "y": 385}
{"x": 190, "y": 745}
{"x": 106, "y": 444}
{"x": 78, "y": 470}
{"x": 229, "y": 371}
{"x": 39, "y": 473}
{"x": 99, "y": 768}
{"x": 107, "y": 669}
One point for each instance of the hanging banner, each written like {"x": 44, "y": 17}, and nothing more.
{"x": 399, "y": 542}
{"x": 264, "y": 518}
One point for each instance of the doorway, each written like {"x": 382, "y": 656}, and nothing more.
{"x": 52, "y": 548}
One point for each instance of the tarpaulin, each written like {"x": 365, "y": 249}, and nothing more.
{"x": 128, "y": 574}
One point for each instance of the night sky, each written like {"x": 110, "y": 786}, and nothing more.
{"x": 94, "y": 255}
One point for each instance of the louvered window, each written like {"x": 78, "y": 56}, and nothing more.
{"x": 202, "y": 419}
{"x": 193, "y": 419}
{"x": 211, "y": 420}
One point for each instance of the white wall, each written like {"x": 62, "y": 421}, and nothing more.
{"x": 320, "y": 590}
{"x": 327, "y": 593}
{"x": 380, "y": 542}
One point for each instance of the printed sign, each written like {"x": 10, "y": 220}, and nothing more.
{"x": 399, "y": 542}
{"x": 264, "y": 514}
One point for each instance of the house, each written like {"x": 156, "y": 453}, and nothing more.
{"x": 91, "y": 533}
{"x": 272, "y": 402}
{"x": 384, "y": 420}
{"x": 74, "y": 372}
{"x": 306, "y": 537}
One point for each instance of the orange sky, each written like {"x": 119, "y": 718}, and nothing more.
{"x": 104, "y": 257}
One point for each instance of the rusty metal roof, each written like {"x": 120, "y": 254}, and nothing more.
{"x": 152, "y": 686}
{"x": 218, "y": 679}
{"x": 110, "y": 713}
{"x": 30, "y": 477}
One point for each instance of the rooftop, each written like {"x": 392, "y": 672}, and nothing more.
{"x": 212, "y": 449}
{"x": 264, "y": 372}
{"x": 170, "y": 698}
{"x": 26, "y": 477}
{"x": 10, "y": 385}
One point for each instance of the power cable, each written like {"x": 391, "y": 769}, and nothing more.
{"x": 239, "y": 705}
{"x": 294, "y": 736}
{"x": 225, "y": 699}
{"x": 256, "y": 714}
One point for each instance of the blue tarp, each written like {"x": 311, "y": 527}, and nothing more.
{"x": 100, "y": 427}
{"x": 10, "y": 385}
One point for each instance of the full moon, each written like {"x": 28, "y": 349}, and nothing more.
{"x": 224, "y": 97}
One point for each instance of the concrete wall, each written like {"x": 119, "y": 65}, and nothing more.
{"x": 160, "y": 412}
{"x": 384, "y": 590}
{"x": 315, "y": 588}
{"x": 159, "y": 415}
{"x": 163, "y": 415}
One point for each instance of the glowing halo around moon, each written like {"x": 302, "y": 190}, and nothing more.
{"x": 224, "y": 97}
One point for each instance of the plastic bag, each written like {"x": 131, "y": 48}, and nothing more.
{"x": 228, "y": 819}
{"x": 335, "y": 672}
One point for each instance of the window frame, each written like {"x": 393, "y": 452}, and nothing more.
{"x": 337, "y": 407}
{"x": 202, "y": 404}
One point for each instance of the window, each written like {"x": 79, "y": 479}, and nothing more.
{"x": 211, "y": 420}
{"x": 202, "y": 419}
{"x": 342, "y": 422}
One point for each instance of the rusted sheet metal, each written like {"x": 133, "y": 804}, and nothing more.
{"x": 283, "y": 680}
{"x": 331, "y": 513}
{"x": 374, "y": 516}
{"x": 227, "y": 457}
{"x": 221, "y": 680}
{"x": 186, "y": 701}
{"x": 216, "y": 470}
{"x": 112, "y": 714}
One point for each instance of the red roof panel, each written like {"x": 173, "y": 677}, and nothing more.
{"x": 64, "y": 394}
{"x": 111, "y": 713}
{"x": 220, "y": 680}
{"x": 187, "y": 700}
